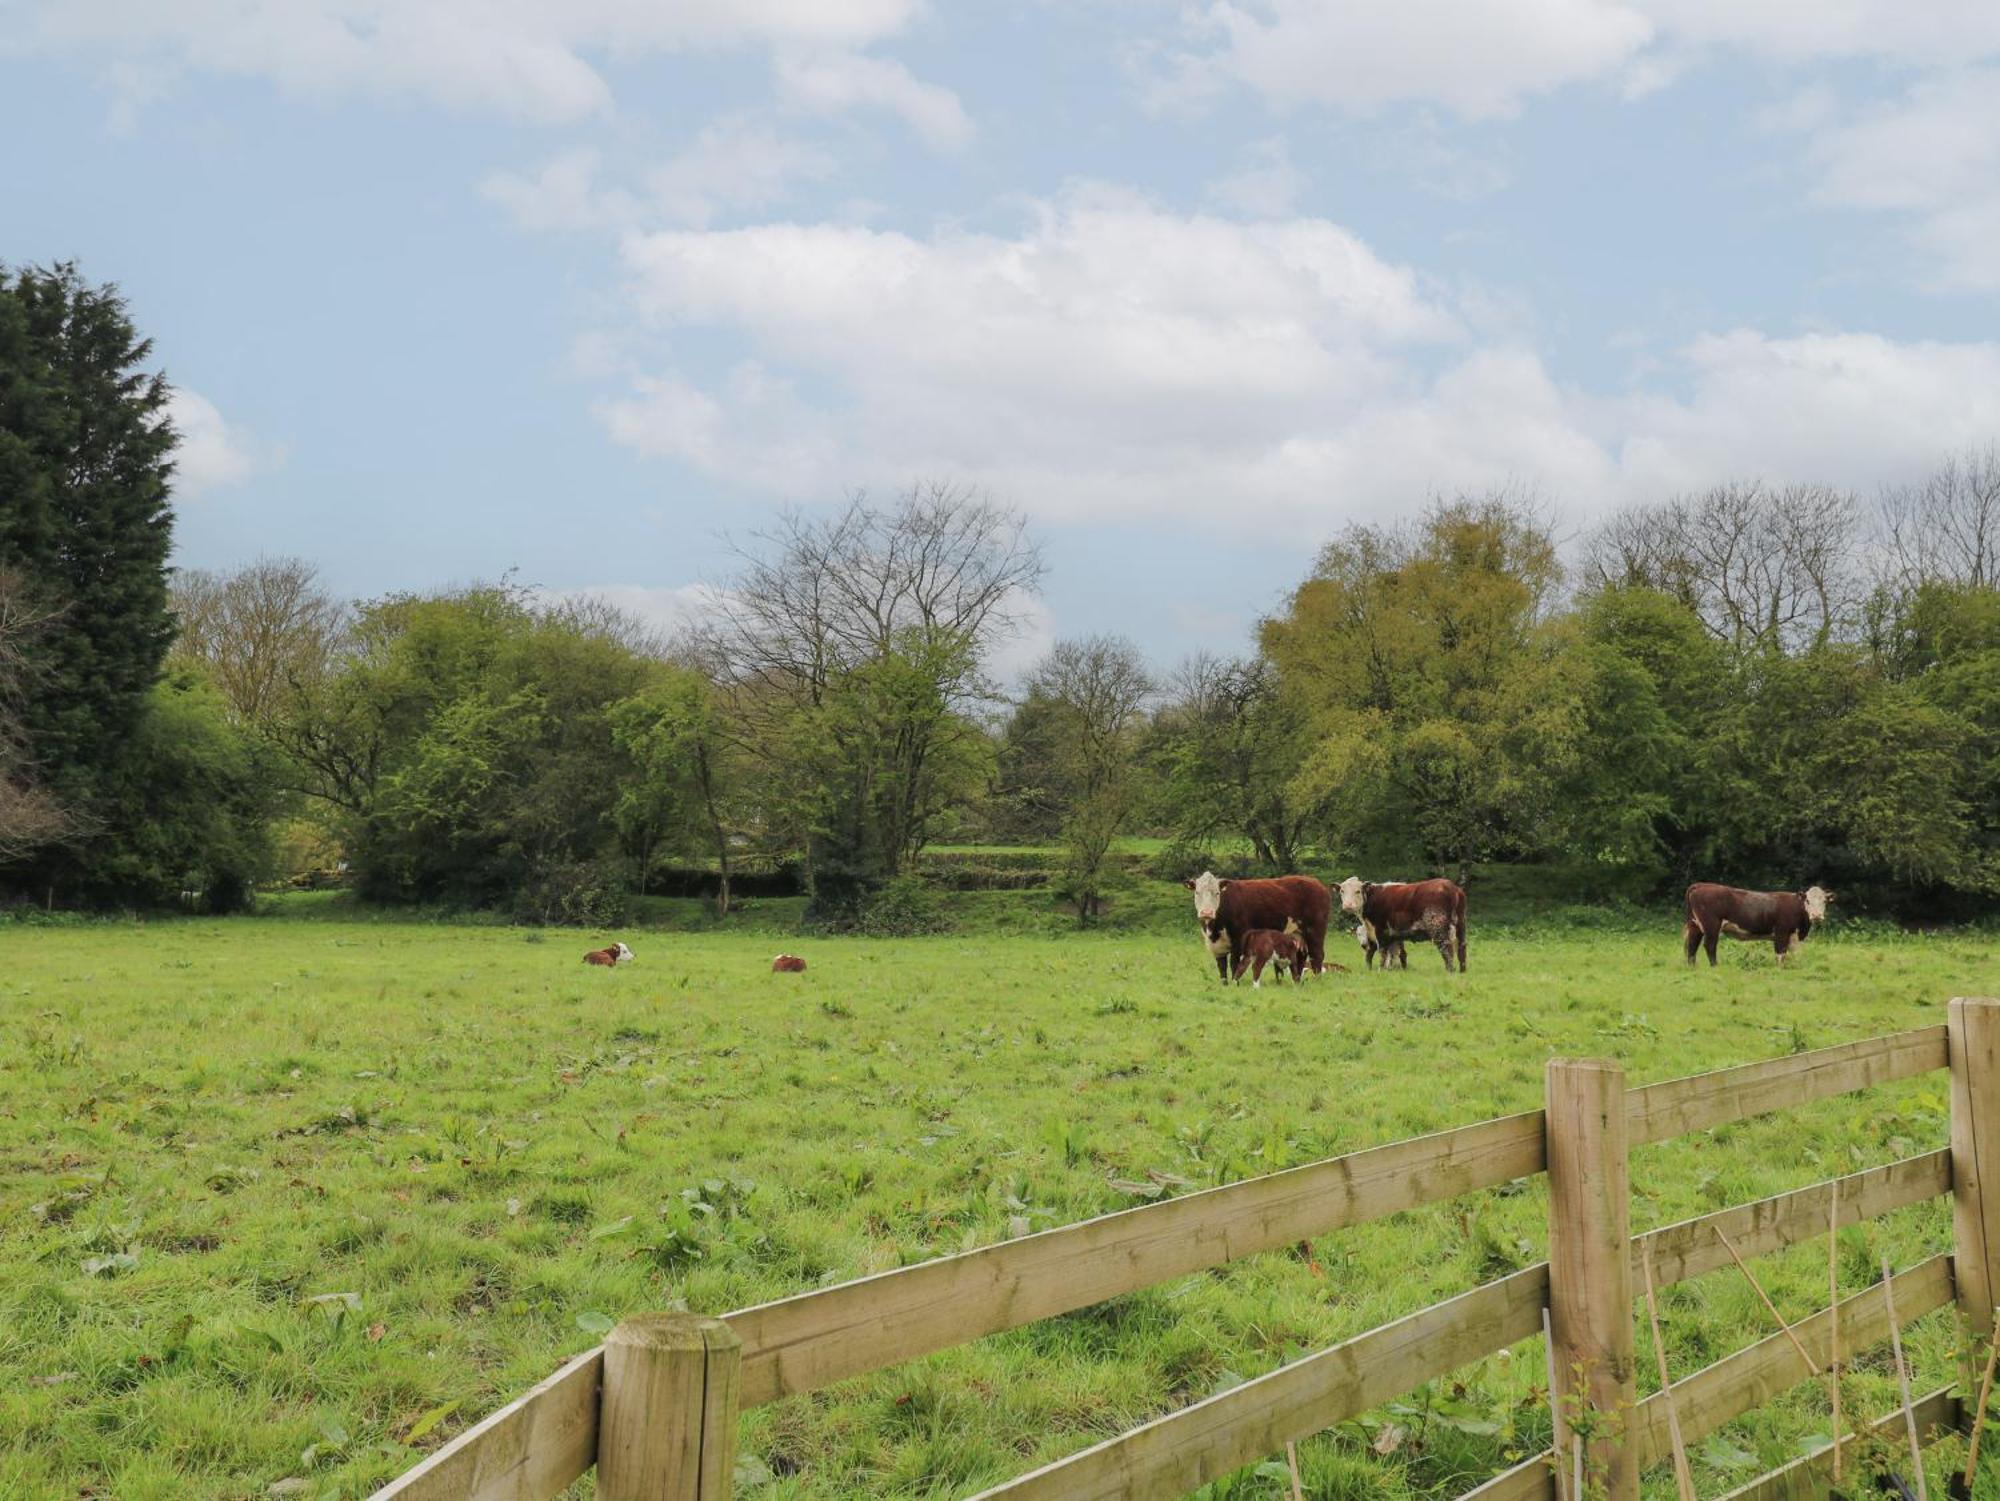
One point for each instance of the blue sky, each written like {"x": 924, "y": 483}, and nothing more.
{"x": 457, "y": 286}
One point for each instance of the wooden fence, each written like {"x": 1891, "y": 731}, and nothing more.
{"x": 655, "y": 1407}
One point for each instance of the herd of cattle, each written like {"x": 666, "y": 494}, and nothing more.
{"x": 1282, "y": 921}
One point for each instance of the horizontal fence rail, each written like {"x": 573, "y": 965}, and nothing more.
{"x": 1749, "y": 1378}
{"x": 531, "y": 1449}
{"x": 806, "y": 1342}
{"x": 1811, "y": 1476}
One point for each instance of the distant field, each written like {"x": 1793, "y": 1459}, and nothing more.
{"x": 286, "y": 1202}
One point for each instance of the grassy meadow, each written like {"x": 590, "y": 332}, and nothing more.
{"x": 287, "y": 1201}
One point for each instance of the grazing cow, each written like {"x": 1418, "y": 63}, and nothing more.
{"x": 1394, "y": 955}
{"x": 1229, "y": 911}
{"x": 616, "y": 954}
{"x": 1418, "y": 909}
{"x": 788, "y": 964}
{"x": 1784, "y": 917}
{"x": 1285, "y": 951}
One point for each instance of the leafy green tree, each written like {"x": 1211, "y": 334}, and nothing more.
{"x": 682, "y": 793}
{"x": 1444, "y": 709}
{"x": 850, "y": 657}
{"x": 193, "y": 799}
{"x": 1230, "y": 744}
{"x": 466, "y": 741}
{"x": 1095, "y": 690}
{"x": 85, "y": 465}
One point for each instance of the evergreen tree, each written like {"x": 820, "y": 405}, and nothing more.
{"x": 85, "y": 461}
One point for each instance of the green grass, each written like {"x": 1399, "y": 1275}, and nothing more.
{"x": 288, "y": 1201}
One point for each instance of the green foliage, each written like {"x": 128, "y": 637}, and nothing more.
{"x": 469, "y": 742}
{"x": 85, "y": 465}
{"x": 192, "y": 802}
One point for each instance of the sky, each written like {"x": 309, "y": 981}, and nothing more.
{"x": 591, "y": 290}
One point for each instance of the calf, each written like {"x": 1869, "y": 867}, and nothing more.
{"x": 1394, "y": 955}
{"x": 788, "y": 964}
{"x": 1261, "y": 947}
{"x": 616, "y": 954}
{"x": 1417, "y": 909}
{"x": 1229, "y": 911}
{"x": 1784, "y": 917}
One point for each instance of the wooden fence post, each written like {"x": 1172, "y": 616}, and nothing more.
{"x": 1590, "y": 1265}
{"x": 1973, "y": 1030}
{"x": 667, "y": 1421}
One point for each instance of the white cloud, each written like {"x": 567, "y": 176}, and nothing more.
{"x": 1479, "y": 58}
{"x": 833, "y": 82}
{"x": 735, "y": 163}
{"x": 564, "y": 193}
{"x": 523, "y": 58}
{"x": 213, "y": 453}
{"x": 1932, "y": 155}
{"x": 1484, "y": 58}
{"x": 1115, "y": 361}
{"x": 1265, "y": 184}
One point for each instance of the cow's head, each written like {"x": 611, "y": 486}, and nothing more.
{"x": 1207, "y": 888}
{"x": 623, "y": 953}
{"x": 1816, "y": 899}
{"x": 1353, "y": 892}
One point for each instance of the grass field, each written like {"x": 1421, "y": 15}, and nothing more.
{"x": 285, "y": 1202}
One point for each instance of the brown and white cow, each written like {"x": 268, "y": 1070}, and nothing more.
{"x": 1784, "y": 917}
{"x": 1394, "y": 955}
{"x": 616, "y": 954}
{"x": 1261, "y": 946}
{"x": 1229, "y": 911}
{"x": 788, "y": 964}
{"x": 1416, "y": 909}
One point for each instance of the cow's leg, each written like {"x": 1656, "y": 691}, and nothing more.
{"x": 1781, "y": 943}
{"x": 1315, "y": 955}
{"x": 1459, "y": 933}
{"x": 1237, "y": 966}
{"x": 1256, "y": 973}
{"x": 1709, "y": 939}
{"x": 1691, "y": 939}
{"x": 1440, "y": 934}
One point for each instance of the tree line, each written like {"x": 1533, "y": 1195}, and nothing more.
{"x": 1761, "y": 683}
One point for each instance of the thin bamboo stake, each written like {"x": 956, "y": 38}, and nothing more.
{"x": 1903, "y": 1381}
{"x": 1833, "y": 1318}
{"x": 1804, "y": 1354}
{"x": 1985, "y": 1391}
{"x": 1555, "y": 1407}
{"x": 1576, "y": 1453}
{"x": 1683, "y": 1477}
{"x": 1292, "y": 1460}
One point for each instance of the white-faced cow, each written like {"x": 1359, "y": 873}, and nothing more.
{"x": 1416, "y": 909}
{"x": 1784, "y": 917}
{"x": 1229, "y": 911}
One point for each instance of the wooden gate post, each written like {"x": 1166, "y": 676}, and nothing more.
{"x": 1973, "y": 1027}
{"x": 1590, "y": 1268}
{"x": 666, "y": 1428}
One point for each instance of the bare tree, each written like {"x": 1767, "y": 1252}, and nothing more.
{"x": 31, "y": 817}
{"x": 1761, "y": 565}
{"x": 1099, "y": 687}
{"x": 1946, "y": 527}
{"x": 850, "y": 651}
{"x": 264, "y": 632}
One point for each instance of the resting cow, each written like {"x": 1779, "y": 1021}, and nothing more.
{"x": 616, "y": 954}
{"x": 1229, "y": 911}
{"x": 1417, "y": 909}
{"x": 1261, "y": 946}
{"x": 1784, "y": 917}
